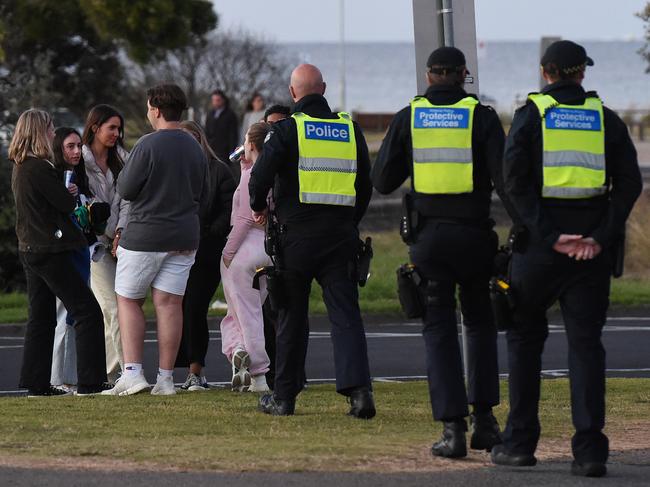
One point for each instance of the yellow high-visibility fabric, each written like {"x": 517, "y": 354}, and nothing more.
{"x": 327, "y": 160}
{"x": 442, "y": 146}
{"x": 573, "y": 148}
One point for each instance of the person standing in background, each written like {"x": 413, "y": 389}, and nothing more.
{"x": 204, "y": 276}
{"x": 222, "y": 129}
{"x": 67, "y": 158}
{"x": 104, "y": 157}
{"x": 254, "y": 113}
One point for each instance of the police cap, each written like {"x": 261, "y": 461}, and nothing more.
{"x": 567, "y": 56}
{"x": 446, "y": 58}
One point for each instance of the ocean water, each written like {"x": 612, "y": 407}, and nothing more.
{"x": 381, "y": 77}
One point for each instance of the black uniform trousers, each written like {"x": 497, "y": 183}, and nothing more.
{"x": 540, "y": 276}
{"x": 52, "y": 275}
{"x": 325, "y": 253}
{"x": 448, "y": 253}
{"x": 202, "y": 283}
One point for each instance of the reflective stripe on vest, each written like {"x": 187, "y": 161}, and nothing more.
{"x": 327, "y": 160}
{"x": 573, "y": 148}
{"x": 442, "y": 146}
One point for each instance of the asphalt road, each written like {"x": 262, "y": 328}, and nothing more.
{"x": 396, "y": 351}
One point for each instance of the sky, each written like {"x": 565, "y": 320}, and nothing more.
{"x": 392, "y": 20}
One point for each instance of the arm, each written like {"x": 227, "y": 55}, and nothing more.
{"x": 225, "y": 187}
{"x": 362, "y": 183}
{"x": 242, "y": 220}
{"x": 625, "y": 177}
{"x": 47, "y": 181}
{"x": 391, "y": 167}
{"x": 521, "y": 183}
{"x": 135, "y": 173}
{"x": 274, "y": 153}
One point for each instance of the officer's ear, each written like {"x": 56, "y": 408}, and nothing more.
{"x": 429, "y": 78}
{"x": 324, "y": 87}
{"x": 292, "y": 92}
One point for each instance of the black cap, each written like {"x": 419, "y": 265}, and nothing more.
{"x": 446, "y": 57}
{"x": 567, "y": 56}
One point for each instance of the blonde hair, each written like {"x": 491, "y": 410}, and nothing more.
{"x": 197, "y": 132}
{"x": 30, "y": 137}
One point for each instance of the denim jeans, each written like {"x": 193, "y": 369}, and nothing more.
{"x": 52, "y": 275}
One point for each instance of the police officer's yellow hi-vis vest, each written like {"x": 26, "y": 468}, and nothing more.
{"x": 442, "y": 146}
{"x": 327, "y": 160}
{"x": 573, "y": 148}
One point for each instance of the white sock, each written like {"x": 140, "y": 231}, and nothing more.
{"x": 165, "y": 373}
{"x": 132, "y": 370}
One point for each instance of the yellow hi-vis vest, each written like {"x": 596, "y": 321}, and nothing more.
{"x": 327, "y": 160}
{"x": 573, "y": 148}
{"x": 442, "y": 146}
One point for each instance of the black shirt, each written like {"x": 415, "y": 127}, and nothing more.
{"x": 395, "y": 160}
{"x": 603, "y": 217}
{"x": 278, "y": 165}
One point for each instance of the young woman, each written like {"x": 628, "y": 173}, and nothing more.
{"x": 67, "y": 157}
{"x": 242, "y": 330}
{"x": 46, "y": 238}
{"x": 104, "y": 158}
{"x": 204, "y": 276}
{"x": 254, "y": 113}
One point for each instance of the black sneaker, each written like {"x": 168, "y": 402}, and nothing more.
{"x": 362, "y": 403}
{"x": 50, "y": 391}
{"x": 268, "y": 404}
{"x": 94, "y": 389}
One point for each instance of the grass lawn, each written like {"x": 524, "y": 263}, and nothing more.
{"x": 221, "y": 430}
{"x": 379, "y": 294}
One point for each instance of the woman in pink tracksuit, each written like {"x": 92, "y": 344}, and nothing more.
{"x": 242, "y": 330}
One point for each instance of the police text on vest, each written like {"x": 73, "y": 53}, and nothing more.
{"x": 336, "y": 132}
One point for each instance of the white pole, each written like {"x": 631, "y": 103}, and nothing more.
{"x": 342, "y": 100}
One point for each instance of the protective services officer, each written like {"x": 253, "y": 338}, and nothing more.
{"x": 451, "y": 146}
{"x": 317, "y": 163}
{"x": 571, "y": 173}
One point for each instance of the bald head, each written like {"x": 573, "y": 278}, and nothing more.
{"x": 306, "y": 79}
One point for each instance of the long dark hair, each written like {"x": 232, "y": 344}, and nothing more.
{"x": 60, "y": 163}
{"x": 97, "y": 117}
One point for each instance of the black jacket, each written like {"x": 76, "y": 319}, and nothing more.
{"x": 603, "y": 217}
{"x": 43, "y": 208}
{"x": 222, "y": 132}
{"x": 280, "y": 158}
{"x": 216, "y": 223}
{"x": 395, "y": 160}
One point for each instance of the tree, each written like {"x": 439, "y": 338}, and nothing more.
{"x": 237, "y": 62}
{"x": 645, "y": 50}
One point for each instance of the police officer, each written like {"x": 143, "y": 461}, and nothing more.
{"x": 318, "y": 163}
{"x": 571, "y": 174}
{"x": 451, "y": 145}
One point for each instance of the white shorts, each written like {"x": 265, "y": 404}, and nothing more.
{"x": 138, "y": 270}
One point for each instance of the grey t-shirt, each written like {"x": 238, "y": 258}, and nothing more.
{"x": 165, "y": 178}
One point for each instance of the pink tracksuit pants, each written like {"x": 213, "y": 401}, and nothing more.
{"x": 243, "y": 326}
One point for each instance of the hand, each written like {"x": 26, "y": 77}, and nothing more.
{"x": 116, "y": 241}
{"x": 73, "y": 189}
{"x": 567, "y": 244}
{"x": 587, "y": 249}
{"x": 259, "y": 217}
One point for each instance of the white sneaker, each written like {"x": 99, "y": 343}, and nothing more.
{"x": 127, "y": 386}
{"x": 258, "y": 384}
{"x": 164, "y": 386}
{"x": 219, "y": 305}
{"x": 241, "y": 377}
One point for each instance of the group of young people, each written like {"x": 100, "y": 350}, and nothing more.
{"x": 189, "y": 228}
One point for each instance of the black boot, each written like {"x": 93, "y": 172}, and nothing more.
{"x": 276, "y": 407}
{"x": 501, "y": 456}
{"x": 453, "y": 443}
{"x": 588, "y": 469}
{"x": 362, "y": 404}
{"x": 485, "y": 431}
